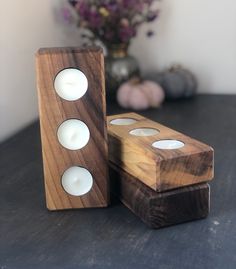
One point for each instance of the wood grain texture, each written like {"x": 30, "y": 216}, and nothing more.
{"x": 90, "y": 109}
{"x": 159, "y": 210}
{"x": 159, "y": 169}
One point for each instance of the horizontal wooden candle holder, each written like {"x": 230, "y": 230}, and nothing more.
{"x": 131, "y": 140}
{"x": 72, "y": 109}
{"x": 160, "y": 210}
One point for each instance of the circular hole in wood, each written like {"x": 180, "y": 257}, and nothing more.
{"x": 71, "y": 84}
{"x": 123, "y": 121}
{"x": 73, "y": 134}
{"x": 144, "y": 132}
{"x": 168, "y": 144}
{"x": 77, "y": 181}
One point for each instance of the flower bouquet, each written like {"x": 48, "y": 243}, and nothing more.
{"x": 115, "y": 23}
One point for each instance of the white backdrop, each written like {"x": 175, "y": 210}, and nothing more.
{"x": 200, "y": 34}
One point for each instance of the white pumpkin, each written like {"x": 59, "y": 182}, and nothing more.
{"x": 140, "y": 95}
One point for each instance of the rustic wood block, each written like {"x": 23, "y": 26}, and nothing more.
{"x": 90, "y": 109}
{"x": 159, "y": 210}
{"x": 160, "y": 169}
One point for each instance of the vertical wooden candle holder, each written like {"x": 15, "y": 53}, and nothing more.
{"x": 72, "y": 109}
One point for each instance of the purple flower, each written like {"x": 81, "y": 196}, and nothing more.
{"x": 111, "y": 6}
{"x": 126, "y": 34}
{"x": 83, "y": 9}
{"x": 66, "y": 14}
{"x": 114, "y": 21}
{"x": 94, "y": 19}
{"x": 130, "y": 3}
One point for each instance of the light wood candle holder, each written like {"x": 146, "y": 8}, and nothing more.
{"x": 72, "y": 109}
{"x": 159, "y": 210}
{"x": 160, "y": 157}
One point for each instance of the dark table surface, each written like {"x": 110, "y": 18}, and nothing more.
{"x": 32, "y": 237}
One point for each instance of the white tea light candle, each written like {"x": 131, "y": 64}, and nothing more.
{"x": 73, "y": 134}
{"x": 71, "y": 84}
{"x": 168, "y": 144}
{"x": 123, "y": 121}
{"x": 144, "y": 132}
{"x": 77, "y": 181}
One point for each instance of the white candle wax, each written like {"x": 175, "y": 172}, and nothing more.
{"x": 71, "y": 84}
{"x": 144, "y": 132}
{"x": 123, "y": 121}
{"x": 77, "y": 181}
{"x": 168, "y": 144}
{"x": 73, "y": 134}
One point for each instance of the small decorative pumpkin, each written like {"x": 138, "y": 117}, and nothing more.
{"x": 177, "y": 82}
{"x": 140, "y": 95}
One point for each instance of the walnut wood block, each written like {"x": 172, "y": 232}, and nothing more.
{"x": 159, "y": 169}
{"x": 159, "y": 210}
{"x": 90, "y": 109}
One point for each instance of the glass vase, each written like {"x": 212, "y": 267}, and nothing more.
{"x": 119, "y": 67}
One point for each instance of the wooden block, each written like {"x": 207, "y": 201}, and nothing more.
{"x": 160, "y": 169}
{"x": 80, "y": 143}
{"x": 159, "y": 210}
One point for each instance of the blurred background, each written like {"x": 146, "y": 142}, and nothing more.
{"x": 197, "y": 34}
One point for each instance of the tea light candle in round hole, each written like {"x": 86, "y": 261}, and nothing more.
{"x": 168, "y": 144}
{"x": 71, "y": 84}
{"x": 144, "y": 132}
{"x": 77, "y": 181}
{"x": 123, "y": 121}
{"x": 73, "y": 134}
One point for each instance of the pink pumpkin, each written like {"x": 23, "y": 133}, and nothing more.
{"x": 140, "y": 95}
